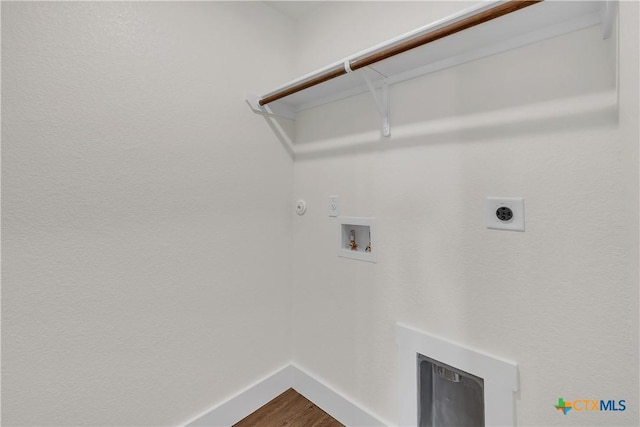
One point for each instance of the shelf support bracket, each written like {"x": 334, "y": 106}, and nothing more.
{"x": 271, "y": 117}
{"x": 280, "y": 110}
{"x": 382, "y": 102}
{"x": 608, "y": 12}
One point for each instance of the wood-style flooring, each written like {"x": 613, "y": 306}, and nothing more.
{"x": 290, "y": 409}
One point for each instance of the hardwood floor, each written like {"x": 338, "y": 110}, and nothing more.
{"x": 290, "y": 409}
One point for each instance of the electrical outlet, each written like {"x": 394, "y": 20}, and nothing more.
{"x": 505, "y": 213}
{"x": 334, "y": 206}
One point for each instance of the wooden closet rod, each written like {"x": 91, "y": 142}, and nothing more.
{"x": 413, "y": 42}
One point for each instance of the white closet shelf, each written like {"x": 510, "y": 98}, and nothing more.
{"x": 525, "y": 23}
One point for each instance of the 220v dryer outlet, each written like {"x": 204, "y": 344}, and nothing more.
{"x": 505, "y": 213}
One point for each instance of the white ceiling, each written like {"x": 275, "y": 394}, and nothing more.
{"x": 294, "y": 9}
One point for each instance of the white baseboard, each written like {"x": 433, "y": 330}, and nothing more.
{"x": 247, "y": 401}
{"x": 244, "y": 403}
{"x": 333, "y": 403}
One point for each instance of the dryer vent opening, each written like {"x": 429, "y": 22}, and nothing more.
{"x": 447, "y": 396}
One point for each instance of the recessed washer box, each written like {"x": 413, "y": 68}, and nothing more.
{"x": 356, "y": 238}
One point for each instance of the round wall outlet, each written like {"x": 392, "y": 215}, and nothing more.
{"x": 505, "y": 213}
{"x": 301, "y": 207}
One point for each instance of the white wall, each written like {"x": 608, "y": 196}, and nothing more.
{"x": 138, "y": 188}
{"x": 146, "y": 210}
{"x": 560, "y": 299}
